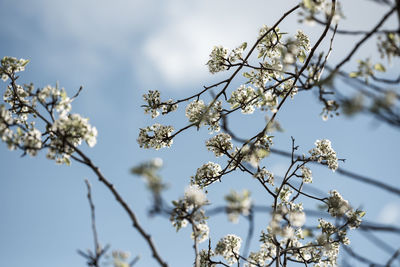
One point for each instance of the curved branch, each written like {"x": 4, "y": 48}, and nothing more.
{"x": 365, "y": 38}
{"x": 125, "y": 206}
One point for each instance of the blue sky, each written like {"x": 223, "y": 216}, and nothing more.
{"x": 117, "y": 51}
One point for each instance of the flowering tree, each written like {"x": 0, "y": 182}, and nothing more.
{"x": 275, "y": 68}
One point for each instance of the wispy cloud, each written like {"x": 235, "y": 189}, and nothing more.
{"x": 162, "y": 42}
{"x": 179, "y": 49}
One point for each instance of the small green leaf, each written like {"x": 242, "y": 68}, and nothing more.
{"x": 246, "y": 75}
{"x": 379, "y": 67}
{"x": 236, "y": 105}
{"x": 354, "y": 74}
{"x": 63, "y": 94}
{"x": 25, "y": 62}
{"x": 302, "y": 57}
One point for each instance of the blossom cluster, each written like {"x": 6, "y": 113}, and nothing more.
{"x": 244, "y": 97}
{"x": 323, "y": 152}
{"x": 207, "y": 174}
{"x": 32, "y": 141}
{"x": 49, "y": 105}
{"x": 264, "y": 175}
{"x": 11, "y": 65}
{"x": 50, "y": 93}
{"x": 219, "y": 144}
{"x": 218, "y": 59}
{"x": 154, "y": 104}
{"x": 204, "y": 258}
{"x": 276, "y": 227}
{"x": 189, "y": 209}
{"x": 236, "y": 54}
{"x": 267, "y": 100}
{"x": 313, "y": 7}
{"x": 156, "y": 136}
{"x": 266, "y": 253}
{"x": 201, "y": 114}
{"x": 200, "y": 232}
{"x": 73, "y": 129}
{"x": 337, "y": 206}
{"x": 228, "y": 247}
{"x": 6, "y": 120}
{"x": 306, "y": 174}
{"x": 270, "y": 45}
{"x": 303, "y": 41}
{"x": 195, "y": 196}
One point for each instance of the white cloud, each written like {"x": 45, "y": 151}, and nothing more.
{"x": 164, "y": 42}
{"x": 179, "y": 49}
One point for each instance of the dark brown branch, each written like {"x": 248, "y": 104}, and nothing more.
{"x": 350, "y": 32}
{"x": 97, "y": 248}
{"x": 93, "y": 257}
{"x": 350, "y": 174}
{"x": 394, "y": 256}
{"x": 125, "y": 206}
{"x": 365, "y": 38}
{"x": 360, "y": 258}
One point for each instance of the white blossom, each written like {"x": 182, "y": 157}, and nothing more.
{"x": 324, "y": 152}
{"x": 337, "y": 206}
{"x": 265, "y": 175}
{"x": 207, "y": 174}
{"x": 269, "y": 46}
{"x": 5, "y": 120}
{"x": 201, "y": 233}
{"x": 159, "y": 138}
{"x": 219, "y": 144}
{"x": 267, "y": 100}
{"x": 354, "y": 218}
{"x": 297, "y": 218}
{"x": 306, "y": 174}
{"x": 195, "y": 196}
{"x": 218, "y": 59}
{"x": 243, "y": 97}
{"x": 236, "y": 53}
{"x": 73, "y": 128}
{"x": 201, "y": 114}
{"x": 11, "y": 65}
{"x": 153, "y": 101}
{"x": 64, "y": 106}
{"x": 153, "y": 104}
{"x": 303, "y": 41}
{"x": 285, "y": 193}
{"x": 204, "y": 260}
{"x": 228, "y": 247}
{"x": 33, "y": 141}
{"x": 68, "y": 132}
